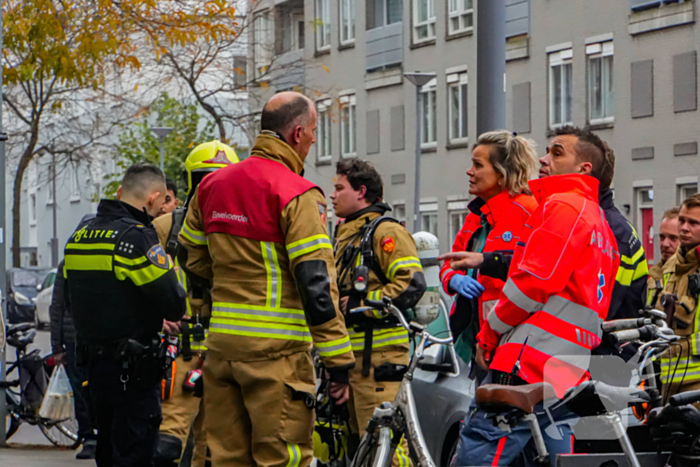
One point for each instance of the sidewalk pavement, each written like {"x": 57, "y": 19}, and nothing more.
{"x": 40, "y": 456}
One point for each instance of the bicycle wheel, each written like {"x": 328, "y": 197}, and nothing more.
{"x": 12, "y": 423}
{"x": 366, "y": 451}
{"x": 63, "y": 434}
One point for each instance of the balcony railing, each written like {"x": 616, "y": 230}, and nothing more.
{"x": 384, "y": 46}
{"x": 517, "y": 17}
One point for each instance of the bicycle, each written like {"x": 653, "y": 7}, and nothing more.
{"x": 24, "y": 394}
{"x": 395, "y": 420}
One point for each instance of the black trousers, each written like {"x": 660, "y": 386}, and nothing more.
{"x": 128, "y": 417}
{"x": 76, "y": 375}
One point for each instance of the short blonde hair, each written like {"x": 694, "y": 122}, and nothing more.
{"x": 512, "y": 156}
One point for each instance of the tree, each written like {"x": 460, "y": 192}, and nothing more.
{"x": 65, "y": 53}
{"x": 138, "y": 143}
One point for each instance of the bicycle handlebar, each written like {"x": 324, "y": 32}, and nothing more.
{"x": 645, "y": 333}
{"x": 624, "y": 324}
{"x": 690, "y": 397}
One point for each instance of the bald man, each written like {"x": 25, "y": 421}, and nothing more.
{"x": 273, "y": 292}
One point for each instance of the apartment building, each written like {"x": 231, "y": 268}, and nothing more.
{"x": 627, "y": 68}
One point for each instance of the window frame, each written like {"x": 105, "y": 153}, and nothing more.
{"x": 430, "y": 89}
{"x": 429, "y": 23}
{"x": 323, "y": 25}
{"x": 74, "y": 184}
{"x": 459, "y": 13}
{"x": 681, "y": 190}
{"x": 323, "y": 110}
{"x": 395, "y": 212}
{"x": 263, "y": 52}
{"x": 429, "y": 213}
{"x": 461, "y": 82}
{"x": 348, "y": 13}
{"x": 348, "y": 103}
{"x": 32, "y": 209}
{"x": 560, "y": 58}
{"x": 595, "y": 51}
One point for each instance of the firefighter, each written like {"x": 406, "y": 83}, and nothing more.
{"x": 257, "y": 230}
{"x": 681, "y": 372}
{"x": 502, "y": 164}
{"x": 668, "y": 239}
{"x": 377, "y": 253}
{"x": 180, "y": 407}
{"x": 121, "y": 286}
{"x": 549, "y": 315}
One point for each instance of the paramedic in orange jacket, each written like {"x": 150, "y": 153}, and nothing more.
{"x": 502, "y": 164}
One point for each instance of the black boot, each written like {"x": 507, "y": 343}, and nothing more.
{"x": 89, "y": 449}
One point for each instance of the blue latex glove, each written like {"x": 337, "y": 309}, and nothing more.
{"x": 466, "y": 286}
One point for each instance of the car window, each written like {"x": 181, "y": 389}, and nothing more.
{"x": 49, "y": 281}
{"x": 25, "y": 279}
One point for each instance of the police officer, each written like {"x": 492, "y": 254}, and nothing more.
{"x": 257, "y": 230}
{"x": 181, "y": 407}
{"x": 668, "y": 243}
{"x": 377, "y": 254}
{"x": 121, "y": 286}
{"x": 681, "y": 372}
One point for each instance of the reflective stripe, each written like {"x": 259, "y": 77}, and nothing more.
{"x": 195, "y": 236}
{"x": 88, "y": 263}
{"x": 130, "y": 262}
{"x": 641, "y": 271}
{"x": 519, "y": 299}
{"x": 575, "y": 314}
{"x": 90, "y": 246}
{"x": 270, "y": 331}
{"x": 636, "y": 257}
{"x": 307, "y": 245}
{"x": 688, "y": 369}
{"x": 496, "y": 323}
{"x": 695, "y": 342}
{"x": 624, "y": 276}
{"x": 182, "y": 280}
{"x": 555, "y": 346}
{"x": 401, "y": 455}
{"x": 380, "y": 338}
{"x": 294, "y": 455}
{"x": 336, "y": 347}
{"x": 376, "y": 295}
{"x": 258, "y": 313}
{"x": 405, "y": 262}
{"x": 272, "y": 266}
{"x": 140, "y": 276}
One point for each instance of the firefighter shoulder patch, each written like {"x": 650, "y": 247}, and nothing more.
{"x": 388, "y": 245}
{"x": 157, "y": 256}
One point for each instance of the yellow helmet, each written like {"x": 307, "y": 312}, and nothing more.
{"x": 205, "y": 158}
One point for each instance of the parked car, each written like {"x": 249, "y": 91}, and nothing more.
{"x": 444, "y": 401}
{"x": 43, "y": 300}
{"x": 23, "y": 285}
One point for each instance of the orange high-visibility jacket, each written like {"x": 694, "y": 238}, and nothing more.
{"x": 506, "y": 215}
{"x": 558, "y": 289}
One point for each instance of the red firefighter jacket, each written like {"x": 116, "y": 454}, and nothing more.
{"x": 506, "y": 214}
{"x": 558, "y": 289}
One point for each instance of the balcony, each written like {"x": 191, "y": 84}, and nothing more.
{"x": 517, "y": 17}
{"x": 384, "y": 46}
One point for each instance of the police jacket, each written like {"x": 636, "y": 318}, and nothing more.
{"x": 550, "y": 312}
{"x": 257, "y": 230}
{"x": 119, "y": 281}
{"x": 630, "y": 285}
{"x": 505, "y": 215}
{"x": 396, "y": 261}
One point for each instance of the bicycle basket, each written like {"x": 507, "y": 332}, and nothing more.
{"x": 33, "y": 380}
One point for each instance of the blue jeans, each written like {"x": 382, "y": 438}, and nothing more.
{"x": 483, "y": 444}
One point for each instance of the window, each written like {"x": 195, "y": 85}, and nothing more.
{"x": 289, "y": 30}
{"x": 399, "y": 213}
{"x": 382, "y": 13}
{"x": 457, "y": 107}
{"x": 347, "y": 21}
{"x": 32, "y": 209}
{"x": 263, "y": 33}
{"x": 239, "y": 72}
{"x": 560, "y": 88}
{"x": 426, "y": 108}
{"x": 600, "y": 82}
{"x": 74, "y": 184}
{"x": 423, "y": 20}
{"x": 348, "y": 130}
{"x": 323, "y": 24}
{"x": 323, "y": 145}
{"x": 429, "y": 222}
{"x": 50, "y": 183}
{"x": 456, "y": 222}
{"x": 685, "y": 191}
{"x": 645, "y": 220}
{"x": 461, "y": 16}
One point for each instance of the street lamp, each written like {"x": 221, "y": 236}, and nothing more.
{"x": 161, "y": 133}
{"x": 419, "y": 80}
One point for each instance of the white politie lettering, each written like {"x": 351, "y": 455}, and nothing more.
{"x": 228, "y": 216}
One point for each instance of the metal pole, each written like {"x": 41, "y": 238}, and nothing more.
{"x": 416, "y": 190}
{"x": 54, "y": 239}
{"x": 490, "y": 65}
{"x": 162, "y": 155}
{"x": 3, "y": 359}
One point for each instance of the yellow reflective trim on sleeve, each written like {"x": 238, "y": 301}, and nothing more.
{"x": 307, "y": 245}
{"x": 195, "y": 236}
{"x": 641, "y": 271}
{"x": 90, "y": 246}
{"x": 405, "y": 262}
{"x": 635, "y": 257}
{"x": 130, "y": 262}
{"x": 87, "y": 263}
{"x": 141, "y": 276}
{"x": 335, "y": 347}
{"x": 624, "y": 276}
{"x": 294, "y": 455}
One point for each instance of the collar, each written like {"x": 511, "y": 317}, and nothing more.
{"x": 273, "y": 148}
{"x": 686, "y": 260}
{"x": 606, "y": 200}
{"x": 492, "y": 209}
{"x": 115, "y": 209}
{"x": 380, "y": 207}
{"x": 544, "y": 188}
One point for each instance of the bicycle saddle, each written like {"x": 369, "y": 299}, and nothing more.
{"x": 497, "y": 398}
{"x": 17, "y": 328}
{"x": 21, "y": 341}
{"x": 596, "y": 398}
